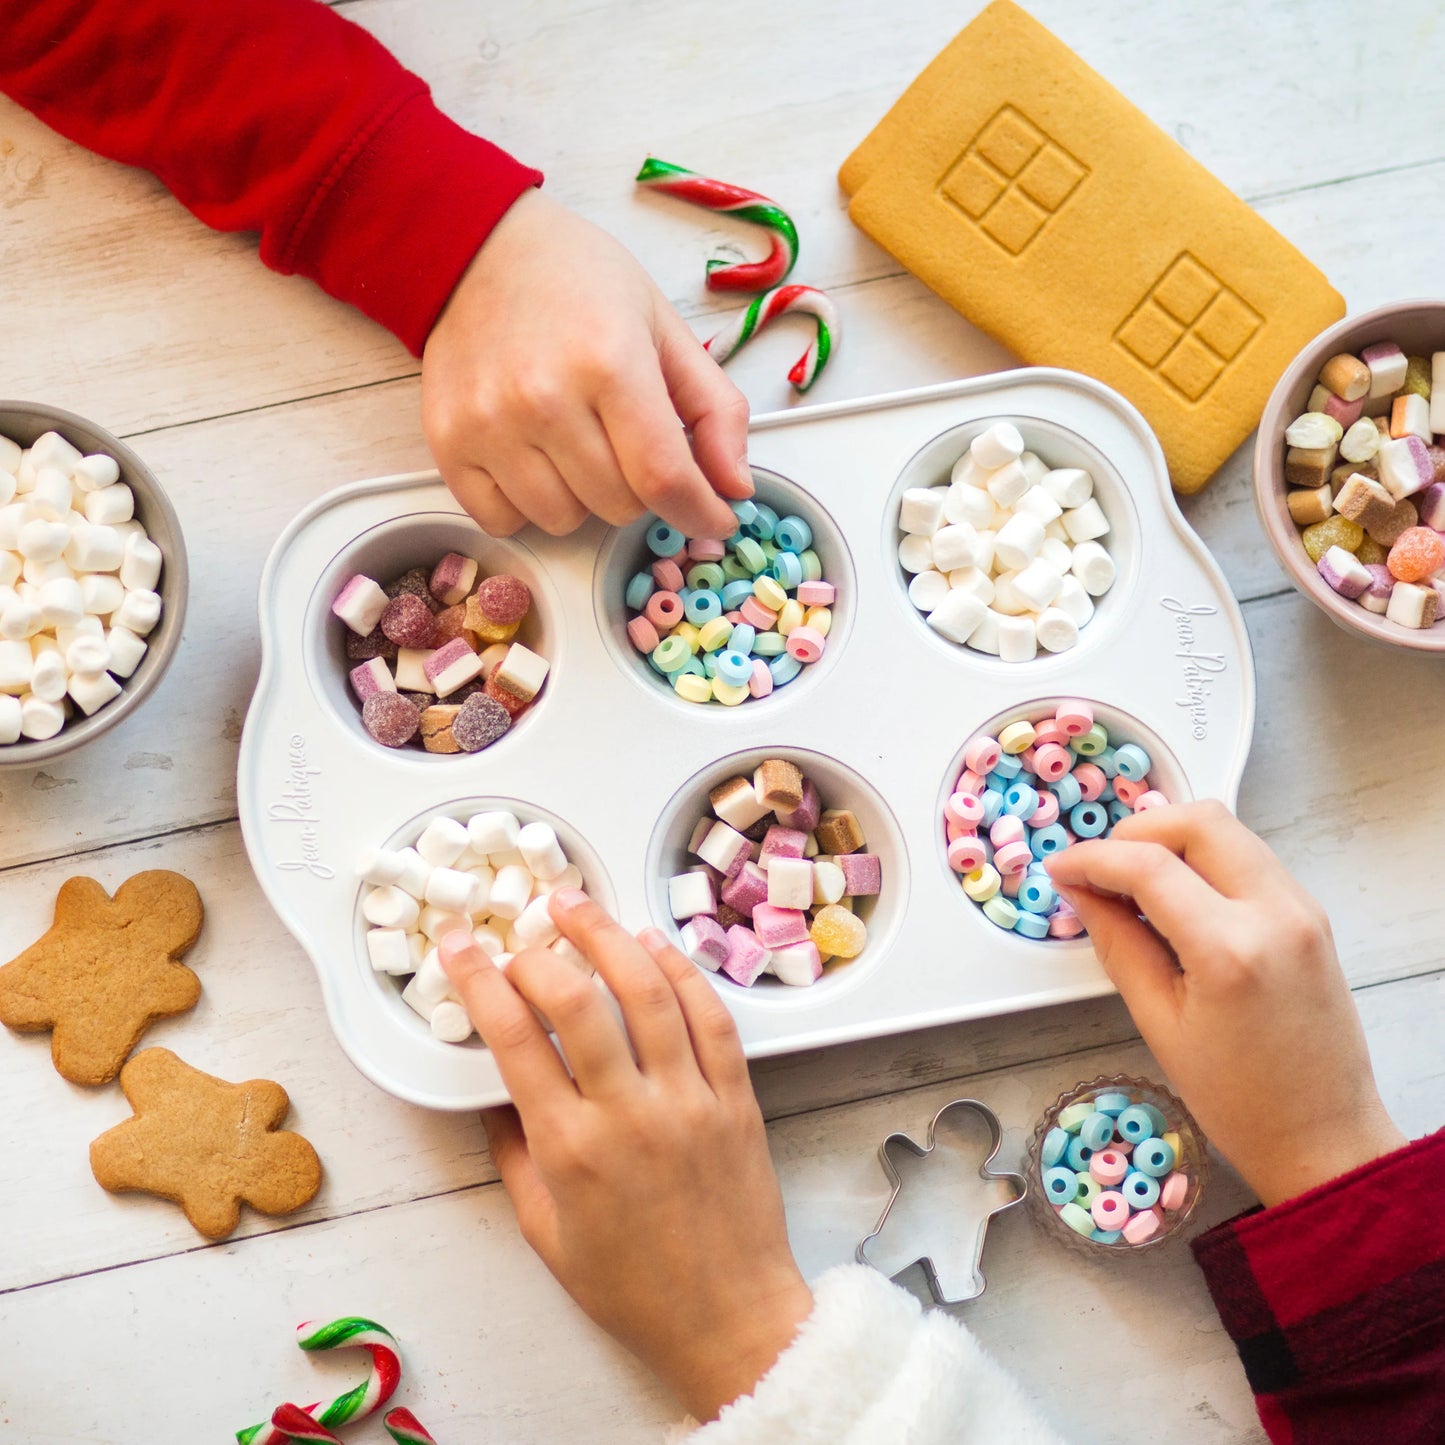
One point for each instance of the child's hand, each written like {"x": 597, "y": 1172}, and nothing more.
{"x": 1236, "y": 989}
{"x": 643, "y": 1182}
{"x": 557, "y": 382}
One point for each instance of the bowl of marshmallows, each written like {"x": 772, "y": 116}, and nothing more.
{"x": 93, "y": 582}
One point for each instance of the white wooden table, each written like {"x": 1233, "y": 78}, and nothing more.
{"x": 116, "y": 1321}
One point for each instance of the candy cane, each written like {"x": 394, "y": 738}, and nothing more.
{"x": 402, "y": 1426}
{"x": 373, "y": 1392}
{"x": 713, "y": 195}
{"x": 804, "y": 299}
{"x": 295, "y": 1424}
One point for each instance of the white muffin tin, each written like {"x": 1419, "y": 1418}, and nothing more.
{"x": 622, "y": 766}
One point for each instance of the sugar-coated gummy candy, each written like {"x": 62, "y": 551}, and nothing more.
{"x": 1334, "y": 532}
{"x": 838, "y": 933}
{"x": 1418, "y": 553}
{"x": 408, "y": 621}
{"x": 479, "y": 722}
{"x": 390, "y": 719}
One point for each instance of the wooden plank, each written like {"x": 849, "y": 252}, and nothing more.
{"x": 485, "y": 1330}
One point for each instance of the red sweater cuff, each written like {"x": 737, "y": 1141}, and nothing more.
{"x": 404, "y": 210}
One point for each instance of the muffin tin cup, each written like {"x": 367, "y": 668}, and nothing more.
{"x": 879, "y": 725}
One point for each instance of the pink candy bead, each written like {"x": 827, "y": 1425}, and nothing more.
{"x": 1110, "y": 1209}
{"x": 965, "y": 807}
{"x": 1065, "y": 923}
{"x": 756, "y": 615}
{"x": 1144, "y": 1225}
{"x": 806, "y": 644}
{"x": 706, "y": 549}
{"x": 667, "y": 574}
{"x": 1051, "y": 762}
{"x": 1109, "y": 1167}
{"x": 1047, "y": 812}
{"x": 1091, "y": 781}
{"x": 982, "y": 755}
{"x": 664, "y": 610}
{"x": 1129, "y": 792}
{"x": 1076, "y": 718}
{"x": 1174, "y": 1191}
{"x": 1151, "y": 799}
{"x": 642, "y": 634}
{"x": 816, "y": 594}
{"x": 969, "y": 782}
{"x": 1006, "y": 829}
{"x": 1013, "y": 858}
{"x": 1049, "y": 731}
{"x": 1010, "y": 883}
{"x": 966, "y": 853}
{"x": 760, "y": 684}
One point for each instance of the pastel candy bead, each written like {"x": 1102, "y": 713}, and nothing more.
{"x": 1056, "y": 1141}
{"x": 642, "y": 634}
{"x": 1065, "y": 923}
{"x": 1135, "y": 1124}
{"x": 966, "y": 853}
{"x": 1171, "y": 1138}
{"x": 1046, "y": 814}
{"x": 1151, "y": 798}
{"x": 965, "y": 808}
{"x": 1141, "y": 1227}
{"x": 1046, "y": 841}
{"x": 1078, "y": 1219}
{"x": 1107, "y": 1236}
{"x": 784, "y": 669}
{"x": 734, "y": 667}
{"x": 762, "y": 525}
{"x": 691, "y": 688}
{"x": 1173, "y": 1192}
{"x": 1078, "y": 1155}
{"x": 1132, "y": 761}
{"x": 1051, "y": 762}
{"x": 1060, "y": 1185}
{"x": 1097, "y": 1130}
{"x": 1153, "y": 1157}
{"x": 1091, "y": 743}
{"x": 1072, "y": 1116}
{"x": 982, "y": 755}
{"x": 1127, "y": 791}
{"x": 1012, "y": 858}
{"x": 1036, "y": 895}
{"x": 1109, "y": 1167}
{"x": 1016, "y": 737}
{"x": 983, "y": 883}
{"x": 664, "y": 541}
{"x": 1021, "y": 801}
{"x": 1111, "y": 1104}
{"x": 664, "y": 610}
{"x": 1109, "y": 1210}
{"x": 702, "y": 607}
{"x": 806, "y": 644}
{"x": 1076, "y": 718}
{"x": 1031, "y": 925}
{"x": 1087, "y": 1186}
{"x": 1089, "y": 820}
{"x": 1156, "y": 1118}
{"x": 1008, "y": 766}
{"x": 1000, "y": 912}
{"x": 1068, "y": 791}
{"x": 1006, "y": 829}
{"x": 1141, "y": 1190}
{"x": 1090, "y": 780}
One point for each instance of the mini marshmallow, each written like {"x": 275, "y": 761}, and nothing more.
{"x": 415, "y": 872}
{"x": 958, "y": 616}
{"x": 139, "y": 613}
{"x": 95, "y": 473}
{"x": 967, "y": 472}
{"x": 1037, "y": 503}
{"x": 973, "y": 580}
{"x": 16, "y": 662}
{"x": 110, "y": 505}
{"x": 10, "y": 716}
{"x": 42, "y": 540}
{"x": 915, "y": 553}
{"x": 50, "y": 496}
{"x": 534, "y": 926}
{"x": 1038, "y": 584}
{"x": 540, "y": 850}
{"x": 921, "y": 510}
{"x": 87, "y": 656}
{"x": 790, "y": 882}
{"x": 1019, "y": 541}
{"x": 1084, "y": 524}
{"x": 995, "y": 447}
{"x": 1361, "y": 442}
{"x": 1094, "y": 568}
{"x": 569, "y": 877}
{"x": 928, "y": 589}
{"x": 442, "y": 842}
{"x": 391, "y": 907}
{"x": 689, "y": 894}
{"x": 967, "y": 504}
{"x": 388, "y": 951}
{"x": 953, "y": 546}
{"x": 40, "y": 719}
{"x": 48, "y": 677}
{"x": 140, "y": 568}
{"x": 493, "y": 832}
{"x": 511, "y": 891}
{"x": 101, "y": 594}
{"x": 50, "y": 449}
{"x": 12, "y": 519}
{"x": 436, "y": 922}
{"x": 984, "y": 637}
{"x": 10, "y": 455}
{"x": 448, "y": 888}
{"x": 126, "y": 651}
{"x": 483, "y": 876}
{"x": 20, "y": 620}
{"x": 1017, "y": 639}
{"x": 489, "y": 940}
{"x": 1008, "y": 484}
{"x": 1075, "y": 600}
{"x": 1070, "y": 487}
{"x": 359, "y": 604}
{"x": 522, "y": 672}
{"x": 380, "y": 867}
{"x": 1059, "y": 555}
{"x": 1056, "y": 630}
{"x": 450, "y": 1022}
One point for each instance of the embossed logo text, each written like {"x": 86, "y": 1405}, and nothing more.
{"x": 297, "y": 806}
{"x": 1200, "y": 668}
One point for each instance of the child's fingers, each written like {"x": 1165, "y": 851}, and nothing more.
{"x": 528, "y": 1063}
{"x": 710, "y": 1025}
{"x": 584, "y": 457}
{"x": 649, "y": 1005}
{"x": 534, "y": 486}
{"x": 1176, "y": 900}
{"x": 477, "y": 490}
{"x": 507, "y": 1143}
{"x": 1213, "y": 842}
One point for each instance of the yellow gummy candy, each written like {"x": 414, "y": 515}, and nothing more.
{"x": 1417, "y": 376}
{"x": 837, "y": 932}
{"x": 1336, "y": 532}
{"x": 1371, "y": 553}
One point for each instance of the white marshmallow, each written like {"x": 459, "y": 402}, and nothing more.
{"x": 1074, "y": 600}
{"x": 50, "y": 496}
{"x": 569, "y": 877}
{"x": 534, "y": 927}
{"x": 540, "y": 850}
{"x": 1017, "y": 639}
{"x": 1407, "y": 604}
{"x": 141, "y": 563}
{"x": 1059, "y": 555}
{"x": 139, "y": 613}
{"x": 101, "y": 594}
{"x": 61, "y": 604}
{"x": 790, "y": 883}
{"x": 50, "y": 449}
{"x": 442, "y": 841}
{"x": 9, "y": 717}
{"x": 511, "y": 891}
{"x": 48, "y": 677}
{"x": 915, "y": 553}
{"x": 968, "y": 504}
{"x": 42, "y": 540}
{"x": 967, "y": 472}
{"x": 10, "y": 454}
{"x": 1007, "y": 599}
{"x": 958, "y": 615}
{"x": 432, "y": 983}
{"x": 1361, "y": 442}
{"x": 39, "y": 573}
{"x": 921, "y": 510}
{"x": 984, "y": 637}
{"x": 522, "y": 671}
{"x": 953, "y": 547}
{"x": 483, "y": 875}
{"x": 126, "y": 651}
{"x": 1018, "y": 543}
{"x": 390, "y": 907}
{"x": 1085, "y": 523}
{"x": 10, "y": 566}
{"x": 927, "y": 590}
{"x": 1070, "y": 487}
{"x": 450, "y": 1022}
{"x": 974, "y": 580}
{"x": 95, "y": 473}
{"x": 493, "y": 832}
{"x": 16, "y": 663}
{"x": 436, "y": 922}
{"x": 381, "y": 867}
{"x": 87, "y": 656}
{"x": 12, "y": 519}
{"x": 8, "y": 487}
{"x": 110, "y": 505}
{"x": 447, "y": 888}
{"x": 412, "y": 997}
{"x": 1008, "y": 484}
{"x": 1034, "y": 468}
{"x": 20, "y": 620}
{"x": 1037, "y": 503}
{"x": 40, "y": 719}
{"x": 411, "y": 670}
{"x": 829, "y": 884}
{"x": 998, "y": 445}
{"x": 387, "y": 949}
{"x": 415, "y": 872}
{"x": 489, "y": 940}
{"x": 1038, "y": 584}
{"x": 507, "y": 858}
{"x": 984, "y": 548}
{"x": 1057, "y": 631}
{"x": 1094, "y": 568}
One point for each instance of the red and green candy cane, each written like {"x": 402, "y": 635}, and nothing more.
{"x": 350, "y": 1333}
{"x": 730, "y": 200}
{"x": 785, "y": 300}
{"x": 404, "y": 1428}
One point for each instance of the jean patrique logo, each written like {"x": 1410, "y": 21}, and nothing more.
{"x": 1200, "y": 668}
{"x": 297, "y": 806}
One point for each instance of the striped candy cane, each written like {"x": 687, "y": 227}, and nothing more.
{"x": 295, "y": 1424}
{"x": 403, "y": 1427}
{"x": 746, "y": 205}
{"x": 803, "y": 299}
{"x": 379, "y": 1386}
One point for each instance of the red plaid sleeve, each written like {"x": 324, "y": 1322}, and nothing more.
{"x": 275, "y": 116}
{"x": 1336, "y": 1303}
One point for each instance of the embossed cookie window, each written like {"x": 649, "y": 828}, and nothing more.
{"x": 1011, "y": 179}
{"x": 1189, "y": 327}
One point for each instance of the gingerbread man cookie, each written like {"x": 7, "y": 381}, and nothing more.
{"x": 105, "y": 971}
{"x": 206, "y": 1144}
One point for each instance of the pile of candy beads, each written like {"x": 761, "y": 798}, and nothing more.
{"x": 729, "y": 621}
{"x": 1022, "y": 796}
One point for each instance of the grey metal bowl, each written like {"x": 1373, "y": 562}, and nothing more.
{"x": 23, "y": 422}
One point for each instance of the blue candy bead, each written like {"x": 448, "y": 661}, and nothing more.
{"x": 1029, "y": 924}
{"x": 1153, "y": 1157}
{"x": 1132, "y": 761}
{"x": 1089, "y": 820}
{"x": 1106, "y": 762}
{"x": 1021, "y": 801}
{"x": 1060, "y": 1185}
{"x": 793, "y": 534}
{"x": 992, "y": 801}
{"x": 1008, "y": 766}
{"x": 1107, "y": 1236}
{"x": 1140, "y": 1190}
{"x": 1068, "y": 792}
{"x": 1037, "y": 868}
{"x": 787, "y": 569}
{"x": 694, "y": 666}
{"x": 664, "y": 541}
{"x": 742, "y": 637}
{"x": 998, "y": 781}
{"x": 1056, "y": 1143}
{"x": 1045, "y": 841}
{"x": 1135, "y": 1125}
{"x": 701, "y": 607}
{"x": 1107, "y": 794}
{"x": 784, "y": 668}
{"x": 735, "y": 594}
{"x": 1036, "y": 895}
{"x": 1119, "y": 811}
{"x": 1157, "y": 1119}
{"x": 709, "y": 664}
{"x": 639, "y": 589}
{"x": 764, "y": 521}
{"x": 1078, "y": 1155}
{"x": 734, "y": 666}
{"x": 745, "y": 511}
{"x": 1111, "y": 1104}
{"x": 1097, "y": 1130}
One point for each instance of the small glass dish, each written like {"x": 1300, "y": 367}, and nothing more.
{"x": 1192, "y": 1161}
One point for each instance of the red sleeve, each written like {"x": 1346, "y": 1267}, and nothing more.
{"x": 1336, "y": 1303}
{"x": 275, "y": 116}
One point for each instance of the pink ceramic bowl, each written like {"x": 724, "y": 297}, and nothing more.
{"x": 1419, "y": 328}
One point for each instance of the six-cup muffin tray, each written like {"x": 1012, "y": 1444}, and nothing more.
{"x": 622, "y": 767}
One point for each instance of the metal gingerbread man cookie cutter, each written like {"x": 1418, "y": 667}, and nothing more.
{"x": 904, "y": 1146}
